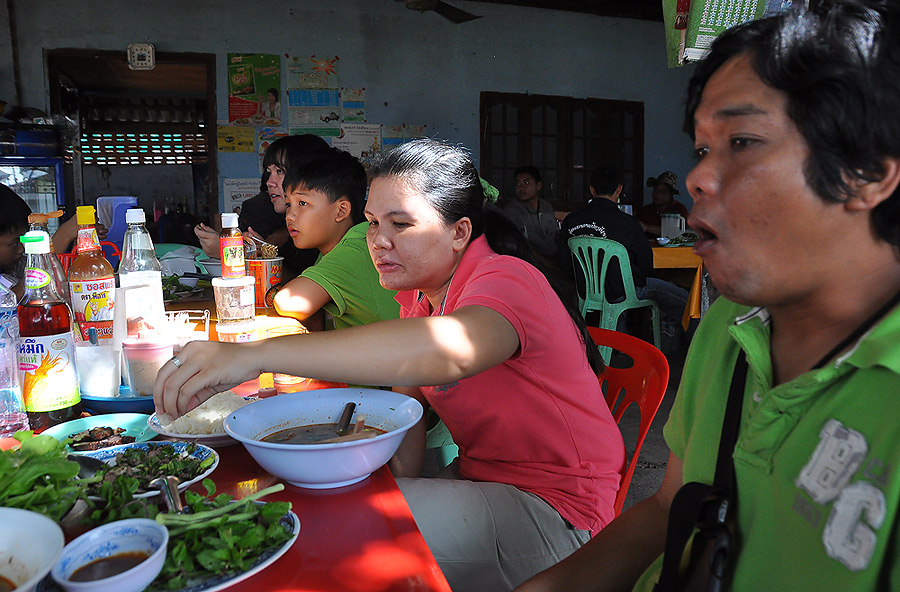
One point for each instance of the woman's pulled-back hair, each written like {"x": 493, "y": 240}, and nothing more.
{"x": 289, "y": 149}
{"x": 838, "y": 63}
{"x": 445, "y": 176}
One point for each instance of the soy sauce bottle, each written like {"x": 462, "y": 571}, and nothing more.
{"x": 46, "y": 350}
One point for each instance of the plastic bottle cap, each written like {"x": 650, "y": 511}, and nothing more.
{"x": 229, "y": 220}
{"x": 135, "y": 215}
{"x": 36, "y": 242}
{"x": 85, "y": 215}
{"x": 41, "y": 218}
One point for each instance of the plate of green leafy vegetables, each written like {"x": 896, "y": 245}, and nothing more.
{"x": 145, "y": 461}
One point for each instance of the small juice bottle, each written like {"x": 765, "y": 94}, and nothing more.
{"x": 92, "y": 281}
{"x": 231, "y": 247}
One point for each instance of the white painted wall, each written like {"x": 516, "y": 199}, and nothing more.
{"x": 416, "y": 68}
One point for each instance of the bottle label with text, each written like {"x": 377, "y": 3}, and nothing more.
{"x": 232, "y": 248}
{"x": 87, "y": 240}
{"x": 35, "y": 277}
{"x": 93, "y": 304}
{"x": 47, "y": 368}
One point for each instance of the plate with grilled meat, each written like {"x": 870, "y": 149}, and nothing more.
{"x": 102, "y": 431}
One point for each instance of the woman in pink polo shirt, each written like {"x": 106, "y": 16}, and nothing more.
{"x": 495, "y": 352}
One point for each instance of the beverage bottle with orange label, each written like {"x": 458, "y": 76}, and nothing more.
{"x": 92, "y": 281}
{"x": 231, "y": 247}
{"x": 38, "y": 221}
{"x": 46, "y": 350}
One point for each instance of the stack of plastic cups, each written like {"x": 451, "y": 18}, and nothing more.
{"x": 234, "y": 292}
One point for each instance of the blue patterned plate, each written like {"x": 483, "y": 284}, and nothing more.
{"x": 108, "y": 455}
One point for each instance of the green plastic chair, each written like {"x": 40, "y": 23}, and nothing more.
{"x": 595, "y": 256}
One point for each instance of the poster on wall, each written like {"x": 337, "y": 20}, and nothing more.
{"x": 393, "y": 135}
{"x": 233, "y": 138}
{"x": 254, "y": 95}
{"x": 362, "y": 140}
{"x": 314, "y": 112}
{"x": 353, "y": 104}
{"x": 313, "y": 72}
{"x": 235, "y": 191}
{"x": 265, "y": 136}
{"x": 692, "y": 25}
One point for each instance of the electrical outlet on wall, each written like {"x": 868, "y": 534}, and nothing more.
{"x": 141, "y": 56}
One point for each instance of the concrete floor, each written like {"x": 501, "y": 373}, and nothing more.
{"x": 654, "y": 453}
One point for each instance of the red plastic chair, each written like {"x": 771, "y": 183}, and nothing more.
{"x": 644, "y": 383}
{"x": 116, "y": 256}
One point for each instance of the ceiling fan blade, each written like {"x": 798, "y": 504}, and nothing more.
{"x": 453, "y": 14}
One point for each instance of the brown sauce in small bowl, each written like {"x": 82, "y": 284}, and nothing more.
{"x": 107, "y": 567}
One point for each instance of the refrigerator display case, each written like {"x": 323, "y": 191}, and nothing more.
{"x": 39, "y": 180}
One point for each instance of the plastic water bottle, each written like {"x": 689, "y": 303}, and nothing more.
{"x": 144, "y": 308}
{"x": 12, "y": 408}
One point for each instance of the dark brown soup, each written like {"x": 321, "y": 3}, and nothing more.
{"x": 309, "y": 434}
{"x": 6, "y": 585}
{"x": 107, "y": 566}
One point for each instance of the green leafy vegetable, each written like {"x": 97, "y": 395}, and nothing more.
{"x": 37, "y": 476}
{"x": 219, "y": 535}
{"x": 158, "y": 460}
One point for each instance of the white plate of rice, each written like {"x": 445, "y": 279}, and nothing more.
{"x": 203, "y": 424}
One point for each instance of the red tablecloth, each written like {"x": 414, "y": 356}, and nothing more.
{"x": 352, "y": 539}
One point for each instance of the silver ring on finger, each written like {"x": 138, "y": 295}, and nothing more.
{"x": 176, "y": 361}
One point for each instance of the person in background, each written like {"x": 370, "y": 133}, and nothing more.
{"x": 602, "y": 218}
{"x": 533, "y": 215}
{"x": 13, "y": 224}
{"x": 271, "y": 214}
{"x": 665, "y": 188}
{"x": 65, "y": 234}
{"x": 795, "y": 122}
{"x": 325, "y": 196}
{"x": 487, "y": 342}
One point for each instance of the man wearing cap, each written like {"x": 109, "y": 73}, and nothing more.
{"x": 665, "y": 188}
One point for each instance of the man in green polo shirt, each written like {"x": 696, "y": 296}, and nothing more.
{"x": 795, "y": 123}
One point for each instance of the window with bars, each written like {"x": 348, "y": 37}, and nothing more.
{"x": 565, "y": 138}
{"x": 101, "y": 148}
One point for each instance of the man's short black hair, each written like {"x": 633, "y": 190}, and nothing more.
{"x": 838, "y": 63}
{"x": 529, "y": 170}
{"x": 14, "y": 219}
{"x": 605, "y": 179}
{"x": 335, "y": 173}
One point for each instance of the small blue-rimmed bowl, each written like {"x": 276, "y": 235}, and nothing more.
{"x": 135, "y": 535}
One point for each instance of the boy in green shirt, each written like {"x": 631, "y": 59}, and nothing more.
{"x": 325, "y": 197}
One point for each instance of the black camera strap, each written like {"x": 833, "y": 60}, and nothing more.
{"x": 699, "y": 504}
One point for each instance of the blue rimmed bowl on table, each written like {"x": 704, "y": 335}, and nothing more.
{"x": 323, "y": 466}
{"x": 124, "y": 540}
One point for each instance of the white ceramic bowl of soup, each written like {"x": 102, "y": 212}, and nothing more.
{"x": 138, "y": 543}
{"x": 324, "y": 466}
{"x": 30, "y": 545}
